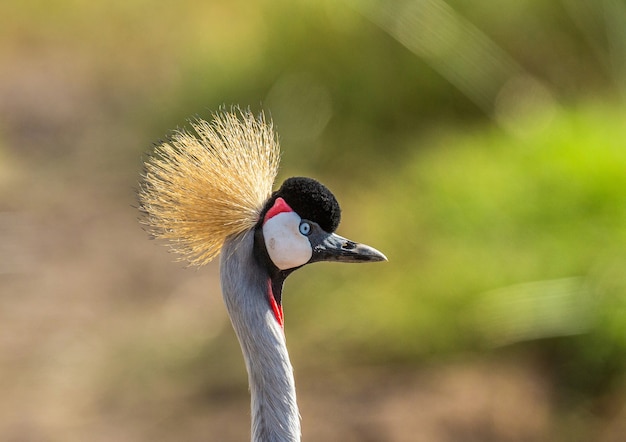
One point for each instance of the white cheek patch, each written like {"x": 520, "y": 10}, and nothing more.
{"x": 285, "y": 245}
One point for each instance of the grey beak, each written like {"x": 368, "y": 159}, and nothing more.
{"x": 332, "y": 247}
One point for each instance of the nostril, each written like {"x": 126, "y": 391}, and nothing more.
{"x": 348, "y": 245}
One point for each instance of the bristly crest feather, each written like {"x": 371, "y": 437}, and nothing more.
{"x": 200, "y": 188}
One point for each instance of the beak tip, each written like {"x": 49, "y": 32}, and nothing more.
{"x": 372, "y": 254}
{"x": 382, "y": 257}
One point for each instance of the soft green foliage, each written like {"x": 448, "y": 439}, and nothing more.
{"x": 492, "y": 240}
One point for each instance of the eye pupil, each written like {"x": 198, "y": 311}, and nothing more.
{"x": 305, "y": 228}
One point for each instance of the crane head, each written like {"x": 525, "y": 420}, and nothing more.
{"x": 297, "y": 227}
{"x": 200, "y": 189}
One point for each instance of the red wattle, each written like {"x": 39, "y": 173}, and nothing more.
{"x": 277, "y": 309}
{"x": 279, "y": 206}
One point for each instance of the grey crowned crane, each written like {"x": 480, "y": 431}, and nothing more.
{"x": 211, "y": 192}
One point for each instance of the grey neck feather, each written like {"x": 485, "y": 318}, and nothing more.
{"x": 275, "y": 415}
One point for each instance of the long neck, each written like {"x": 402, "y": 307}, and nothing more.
{"x": 245, "y": 289}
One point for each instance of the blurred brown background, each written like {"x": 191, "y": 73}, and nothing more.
{"x": 480, "y": 145}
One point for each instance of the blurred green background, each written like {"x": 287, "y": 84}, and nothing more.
{"x": 480, "y": 145}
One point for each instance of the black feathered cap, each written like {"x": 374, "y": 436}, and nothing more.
{"x": 311, "y": 200}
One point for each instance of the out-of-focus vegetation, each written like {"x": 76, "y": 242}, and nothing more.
{"x": 481, "y": 146}
{"x": 496, "y": 240}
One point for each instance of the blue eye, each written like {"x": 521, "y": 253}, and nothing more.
{"x": 305, "y": 228}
